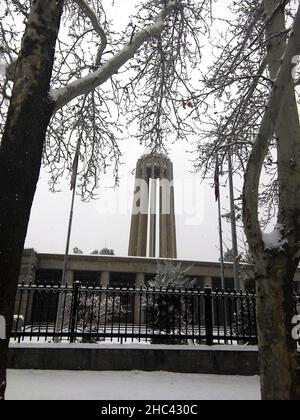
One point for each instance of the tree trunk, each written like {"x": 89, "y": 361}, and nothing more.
{"x": 276, "y": 263}
{"x": 280, "y": 368}
{"x": 21, "y": 149}
{"x": 279, "y": 359}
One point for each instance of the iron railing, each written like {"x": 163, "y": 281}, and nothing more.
{"x": 168, "y": 316}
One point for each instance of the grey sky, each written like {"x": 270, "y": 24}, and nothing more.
{"x": 107, "y": 221}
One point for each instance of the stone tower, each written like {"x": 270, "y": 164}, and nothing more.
{"x": 153, "y": 223}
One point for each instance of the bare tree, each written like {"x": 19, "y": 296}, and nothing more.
{"x": 21, "y": 149}
{"x": 82, "y": 91}
{"x": 106, "y": 251}
{"x": 277, "y": 255}
{"x": 236, "y": 90}
{"x": 161, "y": 45}
{"x": 97, "y": 74}
{"x": 77, "y": 251}
{"x": 256, "y": 116}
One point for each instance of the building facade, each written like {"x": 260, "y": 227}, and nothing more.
{"x": 112, "y": 270}
{"x": 107, "y": 271}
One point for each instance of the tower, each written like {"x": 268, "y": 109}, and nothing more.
{"x": 153, "y": 225}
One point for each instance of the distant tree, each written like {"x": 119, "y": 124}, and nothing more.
{"x": 93, "y": 311}
{"x": 246, "y": 257}
{"x": 228, "y": 256}
{"x": 170, "y": 275}
{"x": 95, "y": 252}
{"x": 245, "y": 321}
{"x": 77, "y": 251}
{"x": 103, "y": 251}
{"x": 106, "y": 251}
{"x": 169, "y": 310}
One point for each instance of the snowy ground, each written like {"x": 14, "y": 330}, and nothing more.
{"x": 135, "y": 385}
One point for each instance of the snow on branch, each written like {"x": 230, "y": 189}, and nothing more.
{"x": 266, "y": 132}
{"x": 86, "y": 84}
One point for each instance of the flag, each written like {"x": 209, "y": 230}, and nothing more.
{"x": 74, "y": 171}
{"x": 216, "y": 180}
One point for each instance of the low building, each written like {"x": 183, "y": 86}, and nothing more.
{"x": 39, "y": 306}
{"x": 117, "y": 271}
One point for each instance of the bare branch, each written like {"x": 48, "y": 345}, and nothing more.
{"x": 97, "y": 27}
{"x": 162, "y": 36}
{"x": 64, "y": 95}
{"x": 266, "y": 132}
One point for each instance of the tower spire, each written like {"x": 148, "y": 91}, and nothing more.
{"x": 148, "y": 226}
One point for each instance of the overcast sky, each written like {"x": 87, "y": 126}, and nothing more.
{"x": 106, "y": 221}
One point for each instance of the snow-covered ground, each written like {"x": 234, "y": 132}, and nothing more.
{"x": 134, "y": 385}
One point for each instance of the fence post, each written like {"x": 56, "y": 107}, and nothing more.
{"x": 208, "y": 316}
{"x": 74, "y": 312}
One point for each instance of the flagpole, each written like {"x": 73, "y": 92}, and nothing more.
{"x": 221, "y": 245}
{"x": 218, "y": 198}
{"x": 237, "y": 284}
{"x": 59, "y": 321}
{"x": 66, "y": 257}
{"x": 73, "y": 188}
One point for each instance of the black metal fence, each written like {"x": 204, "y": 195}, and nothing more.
{"x": 172, "y": 316}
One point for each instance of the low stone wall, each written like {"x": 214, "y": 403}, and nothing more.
{"x": 221, "y": 360}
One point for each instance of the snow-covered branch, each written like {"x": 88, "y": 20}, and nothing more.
{"x": 85, "y": 85}
{"x": 96, "y": 98}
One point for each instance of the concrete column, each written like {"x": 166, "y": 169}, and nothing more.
{"x": 170, "y": 217}
{"x": 139, "y": 282}
{"x": 104, "y": 278}
{"x": 173, "y": 218}
{"x": 64, "y": 304}
{"x": 153, "y": 201}
{"x": 136, "y": 209}
{"x": 242, "y": 286}
{"x": 143, "y": 216}
{"x": 163, "y": 251}
{"x": 26, "y": 307}
{"x": 207, "y": 280}
{"x": 69, "y": 277}
{"x": 167, "y": 195}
